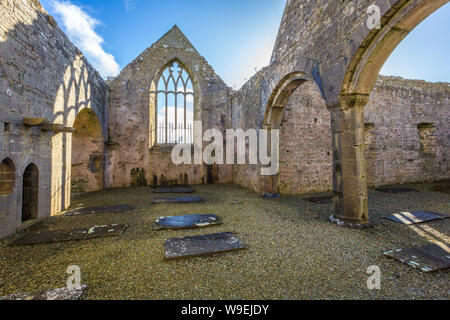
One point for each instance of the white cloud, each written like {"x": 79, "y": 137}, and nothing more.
{"x": 171, "y": 116}
{"x": 80, "y": 28}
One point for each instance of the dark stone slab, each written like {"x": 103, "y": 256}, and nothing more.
{"x": 187, "y": 222}
{"x": 98, "y": 210}
{"x": 429, "y": 258}
{"x": 320, "y": 200}
{"x": 56, "y": 294}
{"x": 202, "y": 245}
{"x": 271, "y": 196}
{"x": 179, "y": 200}
{"x": 174, "y": 190}
{"x": 70, "y": 235}
{"x": 415, "y": 217}
{"x": 395, "y": 190}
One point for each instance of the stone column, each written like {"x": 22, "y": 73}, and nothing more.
{"x": 349, "y": 161}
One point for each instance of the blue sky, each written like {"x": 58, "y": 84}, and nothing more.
{"x": 235, "y": 36}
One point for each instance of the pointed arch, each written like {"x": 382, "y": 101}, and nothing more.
{"x": 280, "y": 96}
{"x": 379, "y": 44}
{"x": 30, "y": 193}
{"x": 172, "y": 105}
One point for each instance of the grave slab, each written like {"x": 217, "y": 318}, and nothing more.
{"x": 187, "y": 222}
{"x": 429, "y": 258}
{"x": 98, "y": 210}
{"x": 320, "y": 200}
{"x": 174, "y": 190}
{"x": 395, "y": 190}
{"x": 178, "y": 200}
{"x": 56, "y": 294}
{"x": 51, "y": 236}
{"x": 415, "y": 217}
{"x": 195, "y": 246}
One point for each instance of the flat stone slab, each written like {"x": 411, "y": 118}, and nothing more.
{"x": 320, "y": 200}
{"x": 429, "y": 258}
{"x": 202, "y": 245}
{"x": 98, "y": 210}
{"x": 395, "y": 190}
{"x": 56, "y": 294}
{"x": 174, "y": 190}
{"x": 415, "y": 217}
{"x": 70, "y": 235}
{"x": 178, "y": 200}
{"x": 187, "y": 222}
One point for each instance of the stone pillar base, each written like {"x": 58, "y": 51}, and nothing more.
{"x": 349, "y": 224}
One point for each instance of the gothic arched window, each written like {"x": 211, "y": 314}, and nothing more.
{"x": 174, "y": 106}
{"x": 7, "y": 177}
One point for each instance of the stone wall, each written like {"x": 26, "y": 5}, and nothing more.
{"x": 42, "y": 75}
{"x": 398, "y": 113}
{"x": 247, "y": 113}
{"x": 407, "y": 135}
{"x": 132, "y": 116}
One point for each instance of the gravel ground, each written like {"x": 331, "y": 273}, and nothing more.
{"x": 293, "y": 252}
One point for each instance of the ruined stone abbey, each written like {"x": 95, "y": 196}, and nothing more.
{"x": 343, "y": 128}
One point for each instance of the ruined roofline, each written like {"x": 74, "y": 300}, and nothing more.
{"x": 35, "y": 4}
{"x": 175, "y": 28}
{"x": 158, "y": 43}
{"x": 139, "y": 57}
{"x": 412, "y": 84}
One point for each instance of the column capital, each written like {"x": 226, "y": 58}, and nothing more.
{"x": 350, "y": 101}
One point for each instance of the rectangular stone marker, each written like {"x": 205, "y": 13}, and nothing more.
{"x": 321, "y": 200}
{"x": 187, "y": 222}
{"x": 174, "y": 190}
{"x": 70, "y": 235}
{"x": 202, "y": 245}
{"x": 179, "y": 200}
{"x": 415, "y": 217}
{"x": 97, "y": 210}
{"x": 56, "y": 294}
{"x": 395, "y": 190}
{"x": 429, "y": 258}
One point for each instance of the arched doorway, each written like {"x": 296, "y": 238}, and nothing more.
{"x": 295, "y": 93}
{"x": 305, "y": 143}
{"x": 87, "y": 153}
{"x": 7, "y": 177}
{"x": 30, "y": 194}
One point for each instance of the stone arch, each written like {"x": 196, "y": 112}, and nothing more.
{"x": 87, "y": 172}
{"x": 30, "y": 193}
{"x": 7, "y": 177}
{"x": 276, "y": 106}
{"x": 154, "y": 87}
{"x": 280, "y": 96}
{"x": 379, "y": 44}
{"x": 375, "y": 46}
